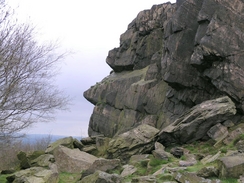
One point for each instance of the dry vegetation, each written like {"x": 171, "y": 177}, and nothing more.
{"x": 8, "y": 154}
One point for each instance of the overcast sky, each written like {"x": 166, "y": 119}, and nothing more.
{"x": 89, "y": 29}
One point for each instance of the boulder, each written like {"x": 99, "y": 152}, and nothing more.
{"x": 43, "y": 160}
{"x": 88, "y": 140}
{"x": 231, "y": 166}
{"x": 159, "y": 152}
{"x": 183, "y": 177}
{"x": 105, "y": 165}
{"x": 233, "y": 135}
{"x": 240, "y": 146}
{"x": 72, "y": 160}
{"x": 144, "y": 179}
{"x": 218, "y": 132}
{"x": 35, "y": 154}
{"x": 134, "y": 159}
{"x": 208, "y": 172}
{"x": 210, "y": 158}
{"x": 194, "y": 124}
{"x": 90, "y": 149}
{"x": 101, "y": 177}
{"x": 69, "y": 142}
{"x": 187, "y": 163}
{"x": 102, "y": 145}
{"x": 128, "y": 170}
{"x": 177, "y": 152}
{"x": 34, "y": 175}
{"x": 24, "y": 161}
{"x": 139, "y": 140}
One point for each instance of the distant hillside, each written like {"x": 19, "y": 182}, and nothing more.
{"x": 32, "y": 138}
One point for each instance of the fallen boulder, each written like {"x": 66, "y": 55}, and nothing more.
{"x": 183, "y": 177}
{"x": 101, "y": 177}
{"x": 43, "y": 160}
{"x": 160, "y": 152}
{"x": 34, "y": 175}
{"x": 102, "y": 164}
{"x": 72, "y": 160}
{"x": 128, "y": 170}
{"x": 144, "y": 179}
{"x": 69, "y": 142}
{"x": 139, "y": 140}
{"x": 231, "y": 166}
{"x": 194, "y": 124}
{"x": 218, "y": 132}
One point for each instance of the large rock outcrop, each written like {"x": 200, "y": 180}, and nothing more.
{"x": 171, "y": 58}
{"x": 134, "y": 93}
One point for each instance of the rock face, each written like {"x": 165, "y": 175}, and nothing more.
{"x": 171, "y": 58}
{"x": 135, "y": 92}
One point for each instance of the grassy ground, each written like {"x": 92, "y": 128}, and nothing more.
{"x": 151, "y": 165}
{"x": 3, "y": 178}
{"x": 69, "y": 177}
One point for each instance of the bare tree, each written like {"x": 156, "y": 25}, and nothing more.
{"x": 27, "y": 68}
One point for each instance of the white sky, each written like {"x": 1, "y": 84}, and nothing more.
{"x": 90, "y": 29}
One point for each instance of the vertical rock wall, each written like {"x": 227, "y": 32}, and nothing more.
{"x": 171, "y": 58}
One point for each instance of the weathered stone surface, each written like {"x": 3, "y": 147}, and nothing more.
{"x": 240, "y": 146}
{"x": 102, "y": 145}
{"x": 195, "y": 46}
{"x": 88, "y": 140}
{"x": 195, "y": 123}
{"x": 34, "y": 175}
{"x": 72, "y": 160}
{"x": 177, "y": 152}
{"x": 105, "y": 164}
{"x": 135, "y": 92}
{"x": 187, "y": 163}
{"x": 43, "y": 160}
{"x": 90, "y": 149}
{"x": 159, "y": 152}
{"x": 128, "y": 170}
{"x": 218, "y": 132}
{"x": 194, "y": 59}
{"x": 144, "y": 179}
{"x": 24, "y": 162}
{"x": 102, "y": 164}
{"x": 208, "y": 172}
{"x": 131, "y": 97}
{"x": 139, "y": 140}
{"x": 231, "y": 166}
{"x": 210, "y": 158}
{"x": 134, "y": 159}
{"x": 101, "y": 177}
{"x": 183, "y": 177}
{"x": 233, "y": 135}
{"x": 67, "y": 142}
